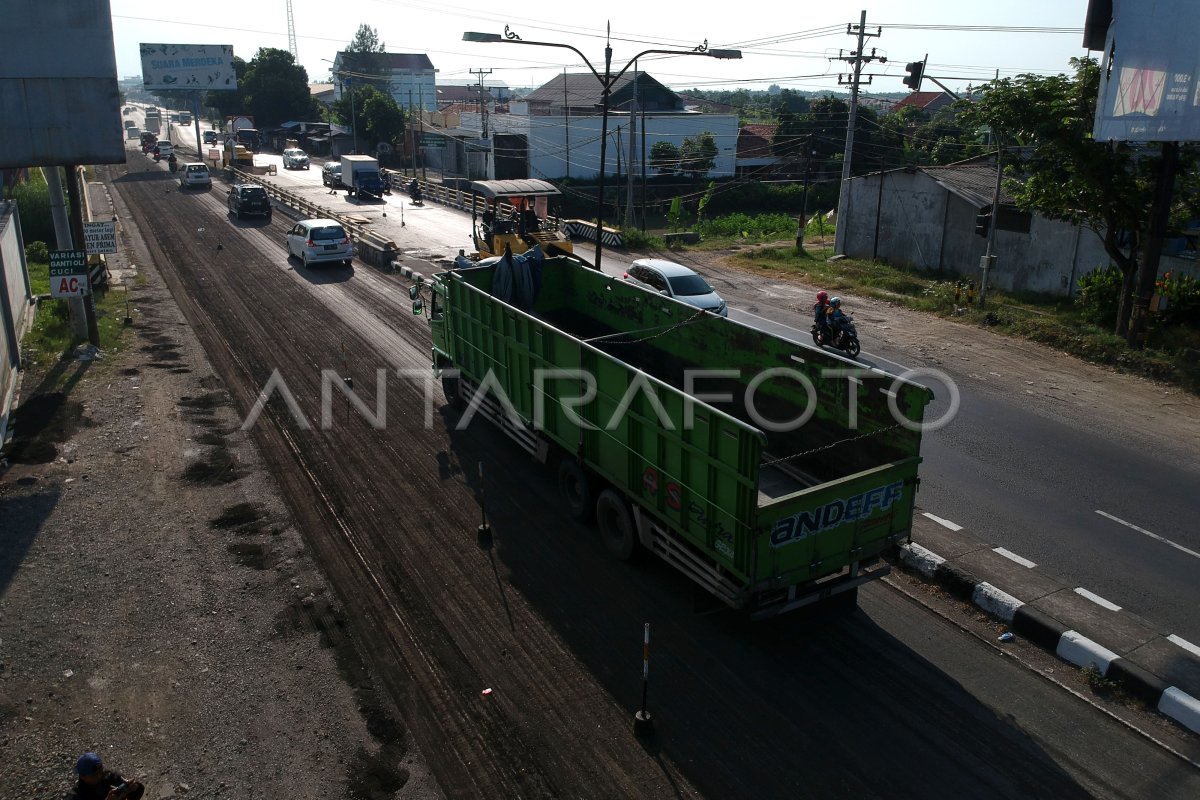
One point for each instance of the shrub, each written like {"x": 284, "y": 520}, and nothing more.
{"x": 1100, "y": 295}
{"x": 761, "y": 226}
{"x": 1183, "y": 300}
{"x": 37, "y": 251}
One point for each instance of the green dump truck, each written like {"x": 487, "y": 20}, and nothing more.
{"x": 771, "y": 473}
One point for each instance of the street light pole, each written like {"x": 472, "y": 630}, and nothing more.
{"x": 606, "y": 83}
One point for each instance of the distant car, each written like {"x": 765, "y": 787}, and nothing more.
{"x": 194, "y": 173}
{"x": 677, "y": 281}
{"x": 331, "y": 173}
{"x": 210, "y": 137}
{"x": 316, "y": 240}
{"x": 249, "y": 198}
{"x": 133, "y": 133}
{"x": 164, "y": 149}
{"x": 295, "y": 158}
{"x": 130, "y": 123}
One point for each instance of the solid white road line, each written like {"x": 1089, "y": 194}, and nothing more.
{"x": 1185, "y": 644}
{"x": 1011, "y": 556}
{"x": 945, "y": 523}
{"x": 1097, "y": 599}
{"x": 1105, "y": 514}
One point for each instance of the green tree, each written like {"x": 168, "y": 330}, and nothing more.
{"x": 275, "y": 88}
{"x": 664, "y": 157}
{"x": 229, "y": 102}
{"x": 378, "y": 116}
{"x": 1067, "y": 175}
{"x": 364, "y": 60}
{"x": 366, "y": 40}
{"x": 698, "y": 155}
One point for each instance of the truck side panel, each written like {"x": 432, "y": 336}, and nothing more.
{"x": 698, "y": 480}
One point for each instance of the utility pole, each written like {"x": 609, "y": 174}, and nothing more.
{"x": 632, "y": 144}
{"x": 857, "y": 58}
{"x": 566, "y": 124}
{"x": 482, "y": 103}
{"x": 989, "y": 257}
{"x": 489, "y": 169}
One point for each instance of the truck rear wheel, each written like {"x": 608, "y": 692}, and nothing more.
{"x": 451, "y": 386}
{"x": 616, "y": 524}
{"x": 576, "y": 488}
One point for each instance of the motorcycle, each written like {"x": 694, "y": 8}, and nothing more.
{"x": 172, "y": 164}
{"x": 414, "y": 192}
{"x": 846, "y": 339}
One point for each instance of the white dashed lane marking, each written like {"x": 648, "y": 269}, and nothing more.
{"x": 1097, "y": 599}
{"x": 945, "y": 523}
{"x": 1011, "y": 556}
{"x": 1154, "y": 536}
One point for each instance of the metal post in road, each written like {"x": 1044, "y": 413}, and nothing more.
{"x": 196, "y": 120}
{"x": 643, "y": 724}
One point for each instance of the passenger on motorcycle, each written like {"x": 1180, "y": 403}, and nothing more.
{"x": 836, "y": 318}
{"x": 819, "y": 309}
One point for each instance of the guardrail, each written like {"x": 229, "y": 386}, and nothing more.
{"x": 374, "y": 248}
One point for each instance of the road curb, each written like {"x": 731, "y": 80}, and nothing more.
{"x": 1053, "y": 635}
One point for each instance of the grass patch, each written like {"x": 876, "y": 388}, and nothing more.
{"x": 50, "y": 339}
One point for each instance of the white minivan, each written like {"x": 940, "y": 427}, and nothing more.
{"x": 316, "y": 240}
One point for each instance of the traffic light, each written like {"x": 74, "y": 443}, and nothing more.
{"x": 915, "y": 70}
{"x": 983, "y": 222}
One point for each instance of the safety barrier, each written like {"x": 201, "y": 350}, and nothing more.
{"x": 376, "y": 249}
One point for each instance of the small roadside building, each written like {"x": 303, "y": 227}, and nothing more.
{"x": 925, "y": 217}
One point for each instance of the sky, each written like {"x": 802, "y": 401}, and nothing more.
{"x": 966, "y": 42}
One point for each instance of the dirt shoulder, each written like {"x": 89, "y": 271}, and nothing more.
{"x": 157, "y": 603}
{"x": 1125, "y": 408}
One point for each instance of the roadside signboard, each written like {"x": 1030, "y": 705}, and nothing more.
{"x": 201, "y": 67}
{"x": 100, "y": 237}
{"x": 433, "y": 140}
{"x": 68, "y": 273}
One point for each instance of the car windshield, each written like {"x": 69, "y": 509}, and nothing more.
{"x": 328, "y": 232}
{"x": 197, "y": 168}
{"x": 688, "y": 285}
{"x": 254, "y": 192}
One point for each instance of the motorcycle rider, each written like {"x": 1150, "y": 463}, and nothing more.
{"x": 819, "y": 313}
{"x": 414, "y": 191}
{"x": 836, "y": 317}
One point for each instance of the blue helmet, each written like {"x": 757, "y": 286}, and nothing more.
{"x": 835, "y": 302}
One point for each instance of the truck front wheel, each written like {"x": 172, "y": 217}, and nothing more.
{"x": 576, "y": 488}
{"x": 616, "y": 524}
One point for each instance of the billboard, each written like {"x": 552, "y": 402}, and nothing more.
{"x": 59, "y": 101}
{"x": 1148, "y": 78}
{"x": 188, "y": 66}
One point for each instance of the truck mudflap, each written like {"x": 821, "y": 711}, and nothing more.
{"x": 799, "y": 596}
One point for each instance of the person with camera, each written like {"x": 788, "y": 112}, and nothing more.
{"x": 98, "y": 783}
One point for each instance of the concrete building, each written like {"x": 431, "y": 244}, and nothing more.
{"x": 408, "y": 77}
{"x": 925, "y": 217}
{"x": 554, "y": 132}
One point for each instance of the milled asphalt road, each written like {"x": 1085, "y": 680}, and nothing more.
{"x": 1006, "y": 471}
